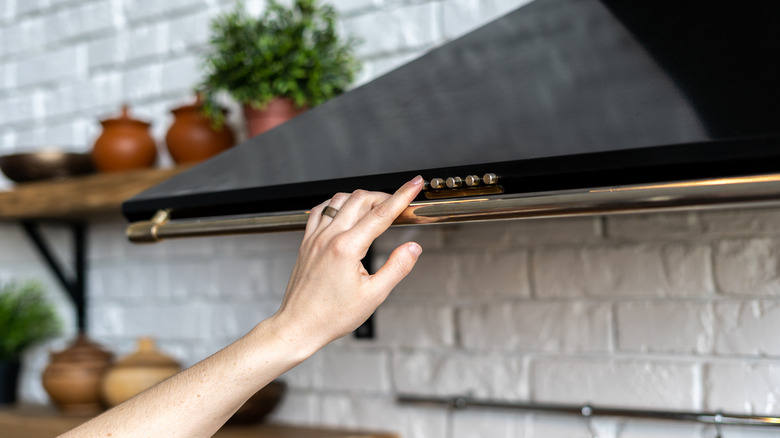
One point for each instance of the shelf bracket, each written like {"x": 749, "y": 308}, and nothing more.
{"x": 74, "y": 284}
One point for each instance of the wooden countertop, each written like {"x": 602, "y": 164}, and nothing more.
{"x": 45, "y": 422}
{"x": 79, "y": 197}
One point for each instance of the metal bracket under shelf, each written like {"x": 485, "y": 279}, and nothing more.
{"x": 716, "y": 419}
{"x": 74, "y": 284}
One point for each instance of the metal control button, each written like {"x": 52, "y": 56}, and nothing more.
{"x": 490, "y": 178}
{"x": 426, "y": 185}
{"x": 438, "y": 183}
{"x": 473, "y": 180}
{"x": 454, "y": 182}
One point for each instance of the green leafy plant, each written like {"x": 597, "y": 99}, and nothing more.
{"x": 293, "y": 52}
{"x": 26, "y": 317}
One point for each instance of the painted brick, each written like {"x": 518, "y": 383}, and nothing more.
{"x": 742, "y": 222}
{"x": 383, "y": 413}
{"x": 508, "y": 271}
{"x": 181, "y": 74}
{"x": 189, "y": 31}
{"x": 24, "y": 36}
{"x": 462, "y": 16}
{"x": 62, "y": 64}
{"x": 630, "y": 383}
{"x": 747, "y": 328}
{"x": 536, "y": 326}
{"x": 665, "y": 327}
{"x": 483, "y": 423}
{"x": 27, "y": 6}
{"x": 107, "y": 51}
{"x": 142, "y": 82}
{"x": 491, "y": 377}
{"x": 654, "y": 226}
{"x": 128, "y": 283}
{"x": 148, "y": 41}
{"x": 424, "y": 326}
{"x": 560, "y": 426}
{"x": 23, "y": 108}
{"x": 298, "y": 408}
{"x": 747, "y": 267}
{"x": 245, "y": 278}
{"x": 359, "y": 370}
{"x": 8, "y": 9}
{"x": 80, "y": 20}
{"x": 187, "y": 321}
{"x": 138, "y": 10}
{"x": 628, "y": 270}
{"x": 743, "y": 387}
{"x": 230, "y": 321}
{"x": 655, "y": 429}
{"x": 351, "y": 6}
{"x": 406, "y": 27}
{"x": 70, "y": 133}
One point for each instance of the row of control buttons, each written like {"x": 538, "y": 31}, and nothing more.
{"x": 454, "y": 182}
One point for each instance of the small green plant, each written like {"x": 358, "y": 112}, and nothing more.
{"x": 292, "y": 52}
{"x": 26, "y": 317}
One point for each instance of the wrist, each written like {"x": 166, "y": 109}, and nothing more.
{"x": 293, "y": 341}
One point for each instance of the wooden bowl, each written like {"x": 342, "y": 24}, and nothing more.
{"x": 260, "y": 405}
{"x": 45, "y": 164}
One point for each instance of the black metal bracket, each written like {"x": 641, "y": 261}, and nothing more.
{"x": 74, "y": 284}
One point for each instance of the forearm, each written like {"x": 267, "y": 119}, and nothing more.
{"x": 199, "y": 400}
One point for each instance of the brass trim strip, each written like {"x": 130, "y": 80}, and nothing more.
{"x": 747, "y": 191}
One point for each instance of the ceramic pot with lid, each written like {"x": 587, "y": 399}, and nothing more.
{"x": 124, "y": 144}
{"x": 136, "y": 372}
{"x": 72, "y": 378}
{"x": 193, "y": 137}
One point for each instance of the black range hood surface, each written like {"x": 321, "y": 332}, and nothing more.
{"x": 558, "y": 95}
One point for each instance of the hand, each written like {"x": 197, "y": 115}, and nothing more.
{"x": 330, "y": 293}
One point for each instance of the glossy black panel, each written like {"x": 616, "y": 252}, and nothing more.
{"x": 558, "y": 94}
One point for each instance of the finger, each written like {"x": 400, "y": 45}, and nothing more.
{"x": 335, "y": 202}
{"x": 382, "y": 215}
{"x": 398, "y": 266}
{"x": 315, "y": 216}
{"x": 357, "y": 206}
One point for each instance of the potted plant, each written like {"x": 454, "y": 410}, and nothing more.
{"x": 288, "y": 59}
{"x": 26, "y": 317}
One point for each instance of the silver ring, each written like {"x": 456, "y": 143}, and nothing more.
{"x": 330, "y": 211}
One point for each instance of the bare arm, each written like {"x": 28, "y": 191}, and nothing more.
{"x": 329, "y": 295}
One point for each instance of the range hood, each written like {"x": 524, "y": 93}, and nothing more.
{"x": 562, "y": 107}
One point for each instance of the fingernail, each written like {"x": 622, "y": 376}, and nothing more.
{"x": 417, "y": 180}
{"x": 415, "y": 249}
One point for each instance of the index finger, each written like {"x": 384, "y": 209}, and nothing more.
{"x": 382, "y": 215}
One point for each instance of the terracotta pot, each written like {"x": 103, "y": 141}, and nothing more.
{"x": 72, "y": 378}
{"x": 124, "y": 144}
{"x": 192, "y": 136}
{"x": 137, "y": 372}
{"x": 275, "y": 113}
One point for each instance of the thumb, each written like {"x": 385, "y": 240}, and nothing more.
{"x": 397, "y": 266}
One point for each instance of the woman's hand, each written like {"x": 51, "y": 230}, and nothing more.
{"x": 330, "y": 293}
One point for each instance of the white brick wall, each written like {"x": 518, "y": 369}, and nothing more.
{"x": 665, "y": 311}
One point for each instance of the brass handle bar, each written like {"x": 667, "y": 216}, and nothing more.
{"x": 746, "y": 191}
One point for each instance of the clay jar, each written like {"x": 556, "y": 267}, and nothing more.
{"x": 192, "y": 136}
{"x": 72, "y": 378}
{"x": 124, "y": 144}
{"x": 278, "y": 111}
{"x": 134, "y": 373}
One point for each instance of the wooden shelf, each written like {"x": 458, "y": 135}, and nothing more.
{"x": 44, "y": 422}
{"x": 78, "y": 198}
